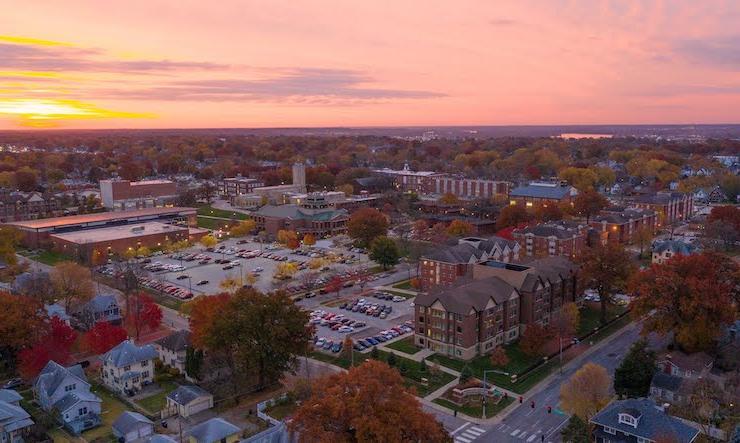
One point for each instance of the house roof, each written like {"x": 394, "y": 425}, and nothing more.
{"x": 295, "y": 212}
{"x": 73, "y": 398}
{"x": 54, "y": 374}
{"x": 10, "y": 396}
{"x": 476, "y": 294}
{"x": 185, "y": 395}
{"x": 674, "y": 246}
{"x": 667, "y": 382}
{"x": 469, "y": 248}
{"x": 542, "y": 190}
{"x": 213, "y": 430}
{"x": 698, "y": 361}
{"x": 159, "y": 438}
{"x": 652, "y": 424}
{"x": 13, "y": 417}
{"x": 127, "y": 353}
{"x": 175, "y": 342}
{"x": 100, "y": 303}
{"x": 552, "y": 229}
{"x": 130, "y": 421}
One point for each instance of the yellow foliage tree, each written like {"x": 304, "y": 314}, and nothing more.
{"x": 208, "y": 241}
{"x": 230, "y": 284}
{"x": 244, "y": 228}
{"x": 284, "y": 236}
{"x": 286, "y": 270}
{"x": 309, "y": 240}
{"x": 587, "y": 391}
{"x": 316, "y": 263}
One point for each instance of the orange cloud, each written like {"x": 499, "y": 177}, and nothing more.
{"x": 51, "y": 112}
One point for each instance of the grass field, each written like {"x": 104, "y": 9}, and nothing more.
{"x": 406, "y": 284}
{"x": 157, "y": 402}
{"x": 214, "y": 212}
{"x": 46, "y": 257}
{"x": 211, "y": 223}
{"x": 111, "y": 408}
{"x": 405, "y": 345}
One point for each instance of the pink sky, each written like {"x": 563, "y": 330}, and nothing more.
{"x": 226, "y": 63}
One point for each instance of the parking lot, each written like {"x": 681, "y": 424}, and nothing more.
{"x": 236, "y": 259}
{"x": 333, "y": 324}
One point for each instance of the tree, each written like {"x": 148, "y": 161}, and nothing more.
{"x": 420, "y": 227}
{"x": 384, "y": 251}
{"x": 449, "y": 199}
{"x": 9, "y": 240}
{"x": 207, "y": 192}
{"x": 143, "y": 313}
{"x": 250, "y": 348}
{"x": 334, "y": 285}
{"x": 347, "y": 189}
{"x": 643, "y": 236}
{"x": 21, "y": 324}
{"x": 203, "y": 314}
{"x": 439, "y": 233}
{"x": 606, "y": 269}
{"x": 583, "y": 179}
{"x": 633, "y": 376}
{"x": 465, "y": 374}
{"x": 229, "y": 284}
{"x": 55, "y": 345}
{"x": 193, "y": 362}
{"x": 391, "y": 359}
{"x": 692, "y": 297}
{"x": 244, "y": 228}
{"x": 347, "y": 344}
{"x": 365, "y": 225}
{"x": 72, "y": 283}
{"x": 103, "y": 337}
{"x": 725, "y": 214}
{"x": 548, "y": 212}
{"x": 499, "y": 357}
{"x": 576, "y": 431}
{"x": 511, "y": 216}
{"x": 286, "y": 237}
{"x": 586, "y": 392}
{"x": 309, "y": 239}
{"x": 459, "y": 228}
{"x": 338, "y": 409}
{"x": 589, "y": 203}
{"x": 534, "y": 339}
{"x": 208, "y": 241}
{"x": 564, "y": 322}
{"x": 286, "y": 270}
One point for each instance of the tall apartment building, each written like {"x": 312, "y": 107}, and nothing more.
{"x": 537, "y": 194}
{"x": 552, "y": 238}
{"x": 406, "y": 180}
{"x": 446, "y": 265}
{"x": 430, "y": 182}
{"x": 473, "y": 317}
{"x": 621, "y": 224}
{"x": 670, "y": 206}
{"x": 18, "y": 206}
{"x": 122, "y": 195}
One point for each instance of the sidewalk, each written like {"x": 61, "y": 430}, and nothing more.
{"x": 391, "y": 288}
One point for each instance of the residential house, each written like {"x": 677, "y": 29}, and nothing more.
{"x": 128, "y": 367}
{"x": 15, "y": 422}
{"x": 188, "y": 400}
{"x": 710, "y": 195}
{"x": 11, "y": 397}
{"x": 639, "y": 420}
{"x": 445, "y": 265}
{"x": 215, "y": 430}
{"x": 552, "y": 238}
{"x": 537, "y": 194}
{"x": 132, "y": 427}
{"x": 100, "y": 308}
{"x": 66, "y": 392}
{"x": 664, "y": 250}
{"x": 680, "y": 364}
{"x": 58, "y": 311}
{"x": 667, "y": 388}
{"x": 173, "y": 348}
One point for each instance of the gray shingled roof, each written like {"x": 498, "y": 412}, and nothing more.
{"x": 159, "y": 438}
{"x": 71, "y": 399}
{"x": 213, "y": 430}
{"x": 9, "y": 396}
{"x": 177, "y": 341}
{"x": 540, "y": 191}
{"x": 652, "y": 424}
{"x": 101, "y": 302}
{"x": 130, "y": 421}
{"x": 54, "y": 374}
{"x": 294, "y": 212}
{"x": 666, "y": 381}
{"x": 461, "y": 298}
{"x": 674, "y": 246}
{"x": 127, "y": 353}
{"x": 558, "y": 230}
{"x": 463, "y": 252}
{"x": 184, "y": 395}
{"x": 13, "y": 417}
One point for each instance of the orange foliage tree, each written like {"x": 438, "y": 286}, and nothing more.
{"x": 586, "y": 392}
{"x": 534, "y": 339}
{"x": 369, "y": 403}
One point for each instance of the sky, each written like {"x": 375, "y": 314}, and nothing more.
{"x": 229, "y": 63}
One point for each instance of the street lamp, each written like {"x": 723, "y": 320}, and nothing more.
{"x": 485, "y": 387}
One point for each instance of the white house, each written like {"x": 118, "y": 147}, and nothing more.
{"x": 132, "y": 426}
{"x": 189, "y": 400}
{"x": 66, "y": 391}
{"x": 127, "y": 367}
{"x": 14, "y": 420}
{"x": 173, "y": 348}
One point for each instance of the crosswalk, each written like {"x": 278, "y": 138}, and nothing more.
{"x": 521, "y": 435}
{"x": 467, "y": 433}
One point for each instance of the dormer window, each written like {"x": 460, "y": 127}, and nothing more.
{"x": 628, "y": 419}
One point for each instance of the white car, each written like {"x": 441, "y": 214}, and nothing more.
{"x": 398, "y": 298}
{"x": 258, "y": 269}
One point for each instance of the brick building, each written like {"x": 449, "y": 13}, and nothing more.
{"x": 430, "y": 182}
{"x": 447, "y": 264}
{"x": 473, "y": 317}
{"x": 235, "y": 186}
{"x": 15, "y": 206}
{"x": 121, "y": 195}
{"x": 669, "y": 206}
{"x": 542, "y": 194}
{"x": 552, "y": 238}
{"x": 621, "y": 224}
{"x": 313, "y": 216}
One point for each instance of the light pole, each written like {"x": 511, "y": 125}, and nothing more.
{"x": 485, "y": 388}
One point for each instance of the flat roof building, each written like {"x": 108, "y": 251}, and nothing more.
{"x": 121, "y": 195}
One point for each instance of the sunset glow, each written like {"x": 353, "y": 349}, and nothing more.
{"x": 241, "y": 63}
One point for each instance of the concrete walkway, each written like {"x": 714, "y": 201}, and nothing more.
{"x": 391, "y": 288}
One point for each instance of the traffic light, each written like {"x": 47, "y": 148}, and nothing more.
{"x": 532, "y": 404}
{"x": 549, "y": 409}
{"x": 521, "y": 399}
{"x": 506, "y": 395}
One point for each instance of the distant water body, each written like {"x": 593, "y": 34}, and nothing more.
{"x": 580, "y": 135}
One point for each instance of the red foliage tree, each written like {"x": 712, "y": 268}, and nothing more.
{"x": 534, "y": 339}
{"x": 55, "y": 345}
{"x": 334, "y": 285}
{"x": 103, "y": 337}
{"x": 143, "y": 314}
{"x": 204, "y": 310}
{"x": 726, "y": 214}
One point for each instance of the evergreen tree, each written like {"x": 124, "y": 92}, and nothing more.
{"x": 391, "y": 359}
{"x": 576, "y": 431}
{"x": 633, "y": 376}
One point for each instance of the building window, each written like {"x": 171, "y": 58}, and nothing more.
{"x": 609, "y": 430}
{"x": 127, "y": 368}
{"x": 82, "y": 411}
{"x": 71, "y": 387}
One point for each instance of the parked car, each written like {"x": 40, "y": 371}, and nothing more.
{"x": 202, "y": 282}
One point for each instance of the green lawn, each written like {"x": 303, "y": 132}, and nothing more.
{"x": 213, "y": 212}
{"x": 590, "y": 316}
{"x": 50, "y": 257}
{"x": 157, "y": 402}
{"x": 406, "y": 284}
{"x": 211, "y": 223}
{"x": 476, "y": 410}
{"x": 405, "y": 345}
{"x": 111, "y": 408}
{"x": 281, "y": 410}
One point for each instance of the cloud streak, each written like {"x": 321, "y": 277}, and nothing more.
{"x": 718, "y": 51}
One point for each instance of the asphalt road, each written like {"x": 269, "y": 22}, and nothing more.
{"x": 527, "y": 424}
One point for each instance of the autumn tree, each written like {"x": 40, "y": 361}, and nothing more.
{"x": 286, "y": 237}
{"x": 548, "y": 212}
{"x": 238, "y": 333}
{"x": 499, "y": 357}
{"x": 338, "y": 409}
{"x": 606, "y": 269}
{"x": 103, "y": 337}
{"x": 534, "y": 339}
{"x": 460, "y": 228}
{"x": 586, "y": 392}
{"x": 420, "y": 227}
{"x": 643, "y": 236}
{"x": 583, "y": 179}
{"x": 576, "y": 431}
{"x": 589, "y": 203}
{"x": 10, "y": 237}
{"x": 243, "y": 228}
{"x": 229, "y": 284}
{"x": 309, "y": 239}
{"x": 449, "y": 199}
{"x": 72, "y": 283}
{"x": 21, "y": 324}
{"x": 384, "y": 251}
{"x": 365, "y": 225}
{"x": 692, "y": 297}
{"x": 285, "y": 270}
{"x": 143, "y": 314}
{"x": 203, "y": 314}
{"x": 512, "y": 216}
{"x": 334, "y": 285}
{"x": 633, "y": 376}
{"x": 208, "y": 241}
{"x": 56, "y": 344}
{"x": 438, "y": 233}
{"x": 564, "y": 322}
